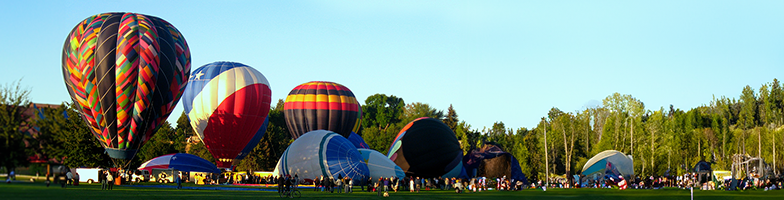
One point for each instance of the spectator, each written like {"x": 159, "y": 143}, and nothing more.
{"x": 109, "y": 180}
{"x": 411, "y": 185}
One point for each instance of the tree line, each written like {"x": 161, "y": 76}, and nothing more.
{"x": 660, "y": 140}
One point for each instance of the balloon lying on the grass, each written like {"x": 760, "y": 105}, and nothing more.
{"x": 609, "y": 162}
{"x": 227, "y": 104}
{"x": 181, "y": 162}
{"x": 379, "y": 165}
{"x": 426, "y": 147}
{"x": 492, "y": 161}
{"x": 322, "y": 153}
{"x": 125, "y": 73}
{"x": 320, "y": 105}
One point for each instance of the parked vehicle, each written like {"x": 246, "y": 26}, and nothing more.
{"x": 163, "y": 175}
{"x": 88, "y": 175}
{"x": 141, "y": 176}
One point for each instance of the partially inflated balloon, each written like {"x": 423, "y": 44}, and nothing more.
{"x": 227, "y": 104}
{"x": 379, "y": 165}
{"x": 320, "y": 105}
{"x": 125, "y": 72}
{"x": 358, "y": 141}
{"x": 322, "y": 153}
{"x": 426, "y": 147}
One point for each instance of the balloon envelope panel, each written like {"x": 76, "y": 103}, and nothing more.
{"x": 320, "y": 105}
{"x": 125, "y": 72}
{"x": 379, "y": 165}
{"x": 180, "y": 161}
{"x": 227, "y": 104}
{"x": 358, "y": 141}
{"x": 322, "y": 153}
{"x": 426, "y": 147}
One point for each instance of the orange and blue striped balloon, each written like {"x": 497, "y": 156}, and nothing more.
{"x": 321, "y": 105}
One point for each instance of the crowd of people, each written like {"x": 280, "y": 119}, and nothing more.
{"x": 384, "y": 185}
{"x": 685, "y": 181}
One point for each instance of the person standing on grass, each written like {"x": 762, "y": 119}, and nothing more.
{"x": 418, "y": 184}
{"x": 178, "y": 180}
{"x": 370, "y": 184}
{"x": 379, "y": 185}
{"x": 411, "y": 184}
{"x": 395, "y": 182}
{"x": 339, "y": 183}
{"x": 102, "y": 179}
{"x": 68, "y": 179}
{"x": 351, "y": 185}
{"x": 109, "y": 180}
{"x": 316, "y": 183}
{"x": 280, "y": 184}
{"x": 76, "y": 178}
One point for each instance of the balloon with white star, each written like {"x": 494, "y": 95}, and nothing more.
{"x": 227, "y": 104}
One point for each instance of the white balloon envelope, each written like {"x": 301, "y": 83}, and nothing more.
{"x": 322, "y": 153}
{"x": 380, "y": 165}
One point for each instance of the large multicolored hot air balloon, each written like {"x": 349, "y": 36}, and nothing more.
{"x": 227, "y": 104}
{"x": 320, "y": 105}
{"x": 426, "y": 147}
{"x": 322, "y": 153}
{"x": 125, "y": 72}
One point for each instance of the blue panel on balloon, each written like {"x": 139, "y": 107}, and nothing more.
{"x": 343, "y": 159}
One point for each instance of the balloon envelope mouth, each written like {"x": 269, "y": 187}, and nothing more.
{"x": 124, "y": 154}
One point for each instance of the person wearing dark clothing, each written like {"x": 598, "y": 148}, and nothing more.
{"x": 316, "y": 184}
{"x": 280, "y": 184}
{"x": 287, "y": 184}
{"x": 370, "y": 184}
{"x": 102, "y": 179}
{"x": 418, "y": 184}
{"x": 362, "y": 184}
{"x": 379, "y": 186}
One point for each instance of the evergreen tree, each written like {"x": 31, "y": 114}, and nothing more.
{"x": 451, "y": 118}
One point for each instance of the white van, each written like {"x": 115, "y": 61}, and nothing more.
{"x": 88, "y": 175}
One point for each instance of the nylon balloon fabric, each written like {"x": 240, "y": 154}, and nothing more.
{"x": 320, "y": 105}
{"x": 426, "y": 147}
{"x": 358, "y": 141}
{"x": 322, "y": 153}
{"x": 227, "y": 104}
{"x": 125, "y": 72}
{"x": 379, "y": 165}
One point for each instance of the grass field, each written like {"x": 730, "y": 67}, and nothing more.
{"x": 193, "y": 192}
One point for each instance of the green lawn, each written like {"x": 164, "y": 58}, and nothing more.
{"x": 150, "y": 192}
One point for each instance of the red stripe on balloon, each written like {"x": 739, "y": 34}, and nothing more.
{"x": 236, "y": 120}
{"x": 322, "y": 106}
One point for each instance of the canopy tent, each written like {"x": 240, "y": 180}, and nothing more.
{"x": 181, "y": 162}
{"x": 492, "y": 161}
{"x": 609, "y": 162}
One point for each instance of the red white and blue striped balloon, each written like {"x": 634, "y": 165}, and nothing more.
{"x": 227, "y": 104}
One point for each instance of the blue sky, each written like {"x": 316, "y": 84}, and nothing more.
{"x": 507, "y": 61}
